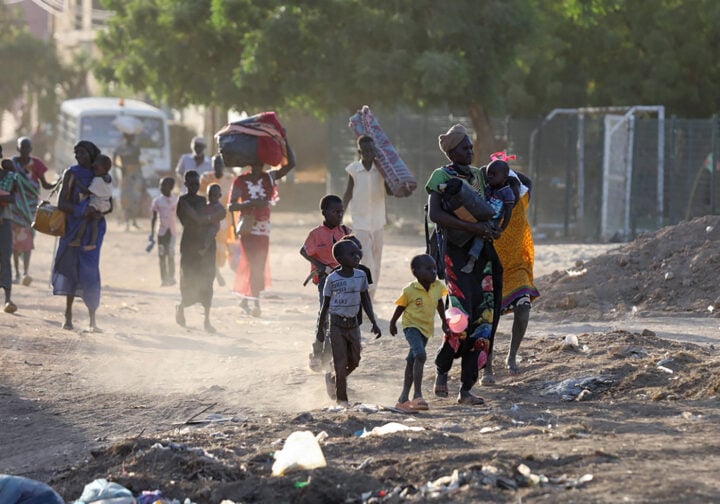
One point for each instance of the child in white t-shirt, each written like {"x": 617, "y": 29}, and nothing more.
{"x": 100, "y": 193}
{"x": 165, "y": 206}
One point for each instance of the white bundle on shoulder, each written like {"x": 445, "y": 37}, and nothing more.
{"x": 129, "y": 125}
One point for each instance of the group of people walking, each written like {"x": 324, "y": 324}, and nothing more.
{"x": 486, "y": 260}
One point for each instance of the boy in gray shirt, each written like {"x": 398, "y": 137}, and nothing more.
{"x": 345, "y": 291}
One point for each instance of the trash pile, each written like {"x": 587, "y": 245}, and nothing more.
{"x": 671, "y": 270}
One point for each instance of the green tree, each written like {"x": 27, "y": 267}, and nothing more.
{"x": 319, "y": 55}
{"x": 32, "y": 69}
{"x": 621, "y": 52}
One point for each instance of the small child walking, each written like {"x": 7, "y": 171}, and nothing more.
{"x": 417, "y": 304}
{"x": 100, "y": 193}
{"x": 164, "y": 206}
{"x": 317, "y": 249}
{"x": 345, "y": 291}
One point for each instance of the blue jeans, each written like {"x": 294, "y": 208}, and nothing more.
{"x": 417, "y": 342}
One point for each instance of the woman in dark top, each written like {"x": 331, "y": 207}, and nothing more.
{"x": 197, "y": 257}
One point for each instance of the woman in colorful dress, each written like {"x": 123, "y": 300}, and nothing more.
{"x": 31, "y": 175}
{"x": 252, "y": 195}
{"x": 517, "y": 253}
{"x": 478, "y": 293}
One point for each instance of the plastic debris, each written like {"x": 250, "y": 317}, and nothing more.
{"x": 102, "y": 491}
{"x": 390, "y": 428}
{"x": 444, "y": 485}
{"x": 570, "y": 342}
{"x": 486, "y": 430}
{"x": 301, "y": 451}
{"x": 569, "y": 389}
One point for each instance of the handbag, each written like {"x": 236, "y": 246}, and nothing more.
{"x": 49, "y": 219}
{"x": 245, "y": 225}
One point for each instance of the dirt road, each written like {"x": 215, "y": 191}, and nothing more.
{"x": 647, "y": 435}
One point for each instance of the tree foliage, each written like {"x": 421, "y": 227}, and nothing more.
{"x": 621, "y": 52}
{"x": 32, "y": 67}
{"x": 483, "y": 57}
{"x": 319, "y": 55}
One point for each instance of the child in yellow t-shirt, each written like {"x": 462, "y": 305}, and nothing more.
{"x": 417, "y": 304}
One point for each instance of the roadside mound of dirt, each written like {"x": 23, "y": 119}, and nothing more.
{"x": 674, "y": 269}
{"x": 572, "y": 390}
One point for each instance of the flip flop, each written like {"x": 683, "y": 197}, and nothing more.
{"x": 419, "y": 404}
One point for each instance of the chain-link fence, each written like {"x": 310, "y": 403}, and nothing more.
{"x": 598, "y": 174}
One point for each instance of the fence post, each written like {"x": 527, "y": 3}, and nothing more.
{"x": 672, "y": 205}
{"x": 713, "y": 168}
{"x": 568, "y": 181}
{"x": 580, "y": 212}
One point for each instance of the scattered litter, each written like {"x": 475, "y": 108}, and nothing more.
{"x": 449, "y": 427}
{"x": 301, "y": 451}
{"x": 665, "y": 369}
{"x": 486, "y": 430}
{"x": 105, "y": 491}
{"x": 444, "y": 486}
{"x": 576, "y": 272}
{"x": 569, "y": 389}
{"x": 690, "y": 416}
{"x": 570, "y": 342}
{"x": 365, "y": 408}
{"x": 390, "y": 428}
{"x": 365, "y": 463}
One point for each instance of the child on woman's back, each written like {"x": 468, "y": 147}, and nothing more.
{"x": 318, "y": 250}
{"x": 417, "y": 305}
{"x": 164, "y": 206}
{"x": 346, "y": 289}
{"x": 100, "y": 193}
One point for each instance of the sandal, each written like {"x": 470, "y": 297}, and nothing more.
{"x": 10, "y": 307}
{"x": 406, "y": 406}
{"x": 471, "y": 399}
{"x": 420, "y": 404}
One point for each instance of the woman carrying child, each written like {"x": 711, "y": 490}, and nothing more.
{"x": 197, "y": 249}
{"x": 76, "y": 271}
{"x": 478, "y": 293}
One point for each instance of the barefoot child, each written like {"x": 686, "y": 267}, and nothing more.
{"x": 318, "y": 250}
{"x": 100, "y": 193}
{"x": 346, "y": 289}
{"x": 164, "y": 207}
{"x": 417, "y": 304}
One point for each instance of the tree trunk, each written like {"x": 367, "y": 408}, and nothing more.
{"x": 485, "y": 142}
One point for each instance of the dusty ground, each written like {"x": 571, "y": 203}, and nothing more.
{"x": 76, "y": 406}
